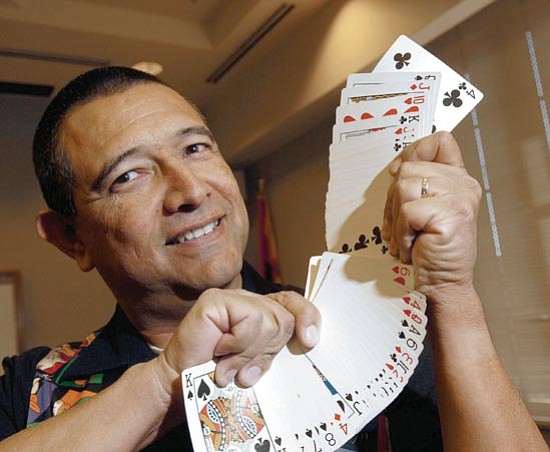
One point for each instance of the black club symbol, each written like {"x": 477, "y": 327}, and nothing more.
{"x": 384, "y": 249}
{"x": 393, "y": 357}
{"x": 462, "y": 86}
{"x": 402, "y": 60}
{"x": 345, "y": 249}
{"x": 362, "y": 242}
{"x": 377, "y": 237}
{"x": 452, "y": 99}
{"x": 396, "y": 147}
{"x": 402, "y": 120}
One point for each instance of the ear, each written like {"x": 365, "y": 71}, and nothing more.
{"x": 60, "y": 231}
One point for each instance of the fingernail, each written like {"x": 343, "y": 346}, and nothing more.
{"x": 250, "y": 375}
{"x": 394, "y": 166}
{"x": 311, "y": 336}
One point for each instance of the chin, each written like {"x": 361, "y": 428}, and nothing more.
{"x": 223, "y": 276}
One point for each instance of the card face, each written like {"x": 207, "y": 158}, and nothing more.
{"x": 223, "y": 419}
{"x": 457, "y": 96}
{"x": 405, "y": 124}
{"x": 425, "y": 80}
{"x": 356, "y": 198}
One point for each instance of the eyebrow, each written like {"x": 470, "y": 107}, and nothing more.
{"x": 114, "y": 162}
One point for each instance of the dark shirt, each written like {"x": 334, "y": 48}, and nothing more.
{"x": 102, "y": 358}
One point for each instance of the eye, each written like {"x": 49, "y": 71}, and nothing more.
{"x": 195, "y": 148}
{"x": 126, "y": 177}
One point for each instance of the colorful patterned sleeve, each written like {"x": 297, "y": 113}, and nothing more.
{"x": 15, "y": 388}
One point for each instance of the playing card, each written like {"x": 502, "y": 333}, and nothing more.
{"x": 232, "y": 418}
{"x": 223, "y": 419}
{"x": 372, "y": 308}
{"x": 426, "y": 80}
{"x": 408, "y": 123}
{"x": 354, "y": 215}
{"x": 457, "y": 96}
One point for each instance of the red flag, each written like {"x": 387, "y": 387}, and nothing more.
{"x": 267, "y": 247}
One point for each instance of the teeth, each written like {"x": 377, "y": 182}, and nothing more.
{"x": 199, "y": 232}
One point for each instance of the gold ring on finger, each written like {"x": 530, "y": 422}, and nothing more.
{"x": 424, "y": 189}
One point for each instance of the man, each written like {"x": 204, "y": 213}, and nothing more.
{"x": 138, "y": 190}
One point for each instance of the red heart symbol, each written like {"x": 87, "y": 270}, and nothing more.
{"x": 396, "y": 269}
{"x": 400, "y": 280}
{"x": 389, "y": 366}
{"x": 399, "y": 131}
{"x": 348, "y": 118}
{"x": 407, "y": 312}
{"x": 366, "y": 115}
{"x": 407, "y": 300}
{"x": 408, "y": 100}
{"x": 398, "y": 349}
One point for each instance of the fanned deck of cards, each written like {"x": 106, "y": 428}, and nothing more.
{"x": 374, "y": 321}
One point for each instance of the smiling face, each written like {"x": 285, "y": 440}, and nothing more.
{"x": 158, "y": 209}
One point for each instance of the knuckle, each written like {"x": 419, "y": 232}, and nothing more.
{"x": 404, "y": 211}
{"x": 285, "y": 297}
{"x": 210, "y": 294}
{"x": 400, "y": 188}
{"x": 405, "y": 170}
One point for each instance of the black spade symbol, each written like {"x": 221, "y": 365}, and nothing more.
{"x": 204, "y": 390}
{"x": 262, "y": 446}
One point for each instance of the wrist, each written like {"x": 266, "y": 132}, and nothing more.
{"x": 169, "y": 392}
{"x": 455, "y": 303}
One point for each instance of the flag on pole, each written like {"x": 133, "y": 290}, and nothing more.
{"x": 267, "y": 247}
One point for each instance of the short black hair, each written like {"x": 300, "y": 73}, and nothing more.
{"x": 51, "y": 164}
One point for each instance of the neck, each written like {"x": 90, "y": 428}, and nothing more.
{"x": 156, "y": 316}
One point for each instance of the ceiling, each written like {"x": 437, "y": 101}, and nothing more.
{"x": 283, "y": 84}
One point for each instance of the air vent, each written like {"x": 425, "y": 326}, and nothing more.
{"x": 247, "y": 45}
{"x": 25, "y": 89}
{"x": 53, "y": 57}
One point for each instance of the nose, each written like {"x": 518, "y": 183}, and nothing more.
{"x": 185, "y": 189}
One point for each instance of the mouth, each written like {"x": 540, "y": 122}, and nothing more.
{"x": 196, "y": 233}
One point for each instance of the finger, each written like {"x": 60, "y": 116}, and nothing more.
{"x": 253, "y": 341}
{"x": 410, "y": 189}
{"x": 429, "y": 169}
{"x": 440, "y": 147}
{"x": 439, "y": 216}
{"x": 388, "y": 213}
{"x": 413, "y": 217}
{"x": 307, "y": 316}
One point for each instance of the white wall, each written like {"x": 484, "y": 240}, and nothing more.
{"x": 60, "y": 302}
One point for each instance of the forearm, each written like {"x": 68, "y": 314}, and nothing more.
{"x": 128, "y": 415}
{"x": 480, "y": 408}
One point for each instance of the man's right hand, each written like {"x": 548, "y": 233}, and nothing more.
{"x": 242, "y": 330}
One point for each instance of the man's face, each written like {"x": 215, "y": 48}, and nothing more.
{"x": 158, "y": 209}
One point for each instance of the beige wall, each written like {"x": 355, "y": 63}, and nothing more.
{"x": 60, "y": 302}
{"x": 514, "y": 286}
